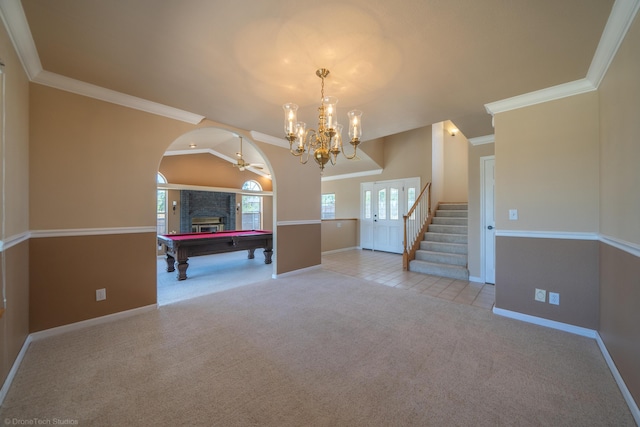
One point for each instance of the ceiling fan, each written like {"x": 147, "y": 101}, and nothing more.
{"x": 241, "y": 164}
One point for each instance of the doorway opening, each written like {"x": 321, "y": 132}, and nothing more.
{"x": 198, "y": 180}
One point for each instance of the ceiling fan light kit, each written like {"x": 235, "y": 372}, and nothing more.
{"x": 241, "y": 164}
{"x": 325, "y": 143}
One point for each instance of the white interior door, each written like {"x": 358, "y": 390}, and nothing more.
{"x": 382, "y": 209}
{"x": 487, "y": 167}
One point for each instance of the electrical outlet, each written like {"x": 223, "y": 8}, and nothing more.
{"x": 513, "y": 214}
{"x": 554, "y": 298}
{"x": 541, "y": 295}
{"x": 101, "y": 294}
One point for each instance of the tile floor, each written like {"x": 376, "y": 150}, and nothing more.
{"x": 386, "y": 268}
{"x": 215, "y": 273}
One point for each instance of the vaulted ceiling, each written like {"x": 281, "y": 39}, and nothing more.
{"x": 405, "y": 64}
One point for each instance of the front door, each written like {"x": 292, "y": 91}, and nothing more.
{"x": 383, "y": 205}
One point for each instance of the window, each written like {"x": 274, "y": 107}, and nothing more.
{"x": 393, "y": 203}
{"x": 161, "y": 207}
{"x": 367, "y": 204}
{"x": 328, "y": 206}
{"x": 382, "y": 204}
{"x": 251, "y": 207}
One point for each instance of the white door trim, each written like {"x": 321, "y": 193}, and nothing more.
{"x": 483, "y": 272}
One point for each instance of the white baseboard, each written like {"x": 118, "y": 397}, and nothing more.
{"x": 577, "y": 330}
{"x": 90, "y": 322}
{"x": 340, "y": 250}
{"x": 475, "y": 279}
{"x": 14, "y": 369}
{"x": 294, "y": 272}
{"x": 633, "y": 406}
{"x": 589, "y": 333}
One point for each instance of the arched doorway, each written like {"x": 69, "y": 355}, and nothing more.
{"x": 204, "y": 192}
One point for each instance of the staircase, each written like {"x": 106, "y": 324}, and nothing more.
{"x": 443, "y": 252}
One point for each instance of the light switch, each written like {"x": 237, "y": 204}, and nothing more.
{"x": 513, "y": 214}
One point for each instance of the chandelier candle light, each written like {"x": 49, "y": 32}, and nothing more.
{"x": 326, "y": 142}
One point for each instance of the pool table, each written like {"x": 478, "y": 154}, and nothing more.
{"x": 179, "y": 247}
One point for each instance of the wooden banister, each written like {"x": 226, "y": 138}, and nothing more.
{"x": 416, "y": 222}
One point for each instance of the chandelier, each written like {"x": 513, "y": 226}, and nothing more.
{"x": 325, "y": 143}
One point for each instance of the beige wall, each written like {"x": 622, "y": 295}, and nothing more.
{"x": 475, "y": 228}
{"x": 16, "y": 142}
{"x": 66, "y": 271}
{"x": 456, "y": 163}
{"x": 619, "y": 210}
{"x": 620, "y": 150}
{"x": 339, "y": 234}
{"x": 547, "y": 166}
{"x": 14, "y": 208}
{"x": 296, "y": 187}
{"x": 209, "y": 171}
{"x": 86, "y": 153}
{"x": 568, "y": 267}
{"x": 173, "y": 217}
{"x": 406, "y": 155}
{"x": 302, "y": 249}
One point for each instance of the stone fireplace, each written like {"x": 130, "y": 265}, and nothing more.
{"x": 204, "y": 209}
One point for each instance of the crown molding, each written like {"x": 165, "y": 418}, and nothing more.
{"x": 351, "y": 175}
{"x": 622, "y": 14}
{"x": 620, "y": 19}
{"x": 480, "y": 140}
{"x": 215, "y": 189}
{"x": 188, "y": 152}
{"x": 92, "y": 91}
{"x": 217, "y": 154}
{"x": 268, "y": 139}
{"x": 16, "y": 24}
{"x": 543, "y": 95}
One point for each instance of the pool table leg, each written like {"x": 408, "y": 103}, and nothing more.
{"x": 267, "y": 256}
{"x": 171, "y": 261}
{"x": 251, "y": 253}
{"x": 182, "y": 269}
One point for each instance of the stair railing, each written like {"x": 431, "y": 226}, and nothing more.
{"x": 416, "y": 222}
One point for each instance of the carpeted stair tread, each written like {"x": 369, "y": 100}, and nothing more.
{"x": 437, "y": 269}
{"x": 443, "y": 250}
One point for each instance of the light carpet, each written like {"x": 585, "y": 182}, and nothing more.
{"x": 317, "y": 349}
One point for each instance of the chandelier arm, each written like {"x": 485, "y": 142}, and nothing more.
{"x": 294, "y": 152}
{"x": 355, "y": 144}
{"x": 308, "y": 145}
